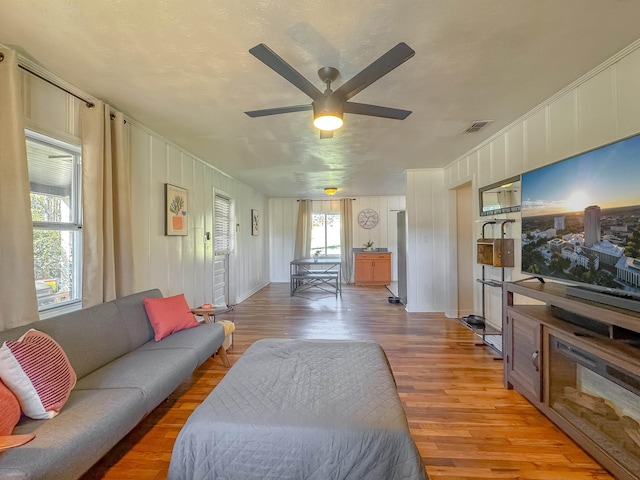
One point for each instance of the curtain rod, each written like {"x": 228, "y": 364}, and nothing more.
{"x": 88, "y": 103}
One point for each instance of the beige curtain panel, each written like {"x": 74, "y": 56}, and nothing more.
{"x": 303, "y": 230}
{"x": 346, "y": 239}
{"x": 107, "y": 269}
{"x": 18, "y": 302}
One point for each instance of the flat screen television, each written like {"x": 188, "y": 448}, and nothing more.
{"x": 581, "y": 220}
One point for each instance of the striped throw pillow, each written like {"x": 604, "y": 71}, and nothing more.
{"x": 38, "y": 372}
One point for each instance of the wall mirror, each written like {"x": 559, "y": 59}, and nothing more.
{"x": 500, "y": 197}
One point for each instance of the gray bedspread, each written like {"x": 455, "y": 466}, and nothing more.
{"x": 300, "y": 409}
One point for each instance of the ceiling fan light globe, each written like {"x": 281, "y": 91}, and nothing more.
{"x": 328, "y": 123}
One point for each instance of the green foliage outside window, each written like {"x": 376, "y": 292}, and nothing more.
{"x": 51, "y": 260}
{"x": 325, "y": 233}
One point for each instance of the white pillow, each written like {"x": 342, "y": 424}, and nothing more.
{"x": 38, "y": 372}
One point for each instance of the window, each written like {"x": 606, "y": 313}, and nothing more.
{"x": 222, "y": 235}
{"x": 54, "y": 177}
{"x": 325, "y": 233}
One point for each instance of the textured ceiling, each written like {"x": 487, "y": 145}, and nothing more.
{"x": 182, "y": 68}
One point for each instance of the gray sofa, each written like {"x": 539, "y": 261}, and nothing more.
{"x": 123, "y": 374}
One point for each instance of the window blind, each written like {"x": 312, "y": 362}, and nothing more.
{"x": 222, "y": 239}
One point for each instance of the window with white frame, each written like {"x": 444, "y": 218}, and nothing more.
{"x": 325, "y": 233}
{"x": 54, "y": 177}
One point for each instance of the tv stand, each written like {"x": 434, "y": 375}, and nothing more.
{"x": 562, "y": 349}
{"x": 616, "y": 300}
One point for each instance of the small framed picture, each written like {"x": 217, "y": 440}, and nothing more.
{"x": 175, "y": 210}
{"x": 255, "y": 222}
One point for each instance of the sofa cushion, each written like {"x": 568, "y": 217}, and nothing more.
{"x": 156, "y": 373}
{"x": 95, "y": 336}
{"x": 203, "y": 340}
{"x": 92, "y": 422}
{"x": 137, "y": 323}
{"x": 169, "y": 315}
{"x": 38, "y": 372}
{"x": 90, "y": 337}
{"x": 10, "y": 409}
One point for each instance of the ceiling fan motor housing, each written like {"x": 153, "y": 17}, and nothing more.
{"x": 328, "y": 105}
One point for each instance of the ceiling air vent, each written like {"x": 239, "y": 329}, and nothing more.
{"x": 478, "y": 125}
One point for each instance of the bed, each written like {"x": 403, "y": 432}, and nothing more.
{"x": 300, "y": 409}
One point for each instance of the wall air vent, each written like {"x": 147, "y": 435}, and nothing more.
{"x": 477, "y": 125}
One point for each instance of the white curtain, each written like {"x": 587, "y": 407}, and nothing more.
{"x": 18, "y": 302}
{"x": 346, "y": 238}
{"x": 507, "y": 198}
{"x": 107, "y": 268}
{"x": 303, "y": 230}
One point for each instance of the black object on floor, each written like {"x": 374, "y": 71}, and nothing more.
{"x": 475, "y": 320}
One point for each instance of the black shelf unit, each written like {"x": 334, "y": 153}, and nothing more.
{"x": 484, "y": 331}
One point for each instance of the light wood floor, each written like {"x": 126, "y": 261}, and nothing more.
{"x": 466, "y": 425}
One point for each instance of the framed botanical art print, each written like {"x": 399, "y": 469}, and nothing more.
{"x": 175, "y": 210}
{"x": 255, "y": 222}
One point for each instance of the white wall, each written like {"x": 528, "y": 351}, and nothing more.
{"x": 173, "y": 264}
{"x": 601, "y": 107}
{"x": 49, "y": 110}
{"x": 427, "y": 241}
{"x": 465, "y": 246}
{"x": 180, "y": 264}
{"x": 283, "y": 217}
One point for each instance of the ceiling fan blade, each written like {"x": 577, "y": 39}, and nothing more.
{"x": 325, "y": 134}
{"x": 378, "y": 69}
{"x": 279, "y": 110}
{"x": 376, "y": 110}
{"x": 278, "y": 65}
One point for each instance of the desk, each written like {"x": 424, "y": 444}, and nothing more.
{"x": 324, "y": 274}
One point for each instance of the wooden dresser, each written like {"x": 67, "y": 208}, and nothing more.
{"x": 372, "y": 268}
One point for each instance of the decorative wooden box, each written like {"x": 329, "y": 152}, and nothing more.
{"x": 497, "y": 252}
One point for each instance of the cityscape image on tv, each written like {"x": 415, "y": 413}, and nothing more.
{"x": 581, "y": 218}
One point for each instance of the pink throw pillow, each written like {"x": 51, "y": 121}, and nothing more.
{"x": 169, "y": 315}
{"x": 38, "y": 372}
{"x": 10, "y": 409}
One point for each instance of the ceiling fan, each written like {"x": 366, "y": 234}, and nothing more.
{"x": 329, "y": 107}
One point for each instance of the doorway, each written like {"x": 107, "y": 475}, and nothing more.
{"x": 223, "y": 242}
{"x": 464, "y": 239}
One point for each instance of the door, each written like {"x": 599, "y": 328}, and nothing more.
{"x": 222, "y": 247}
{"x": 523, "y": 355}
{"x": 220, "y": 280}
{"x": 382, "y": 268}
{"x": 363, "y": 270}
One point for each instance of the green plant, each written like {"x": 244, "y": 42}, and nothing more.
{"x": 176, "y": 205}
{"x": 318, "y": 252}
{"x": 369, "y": 244}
